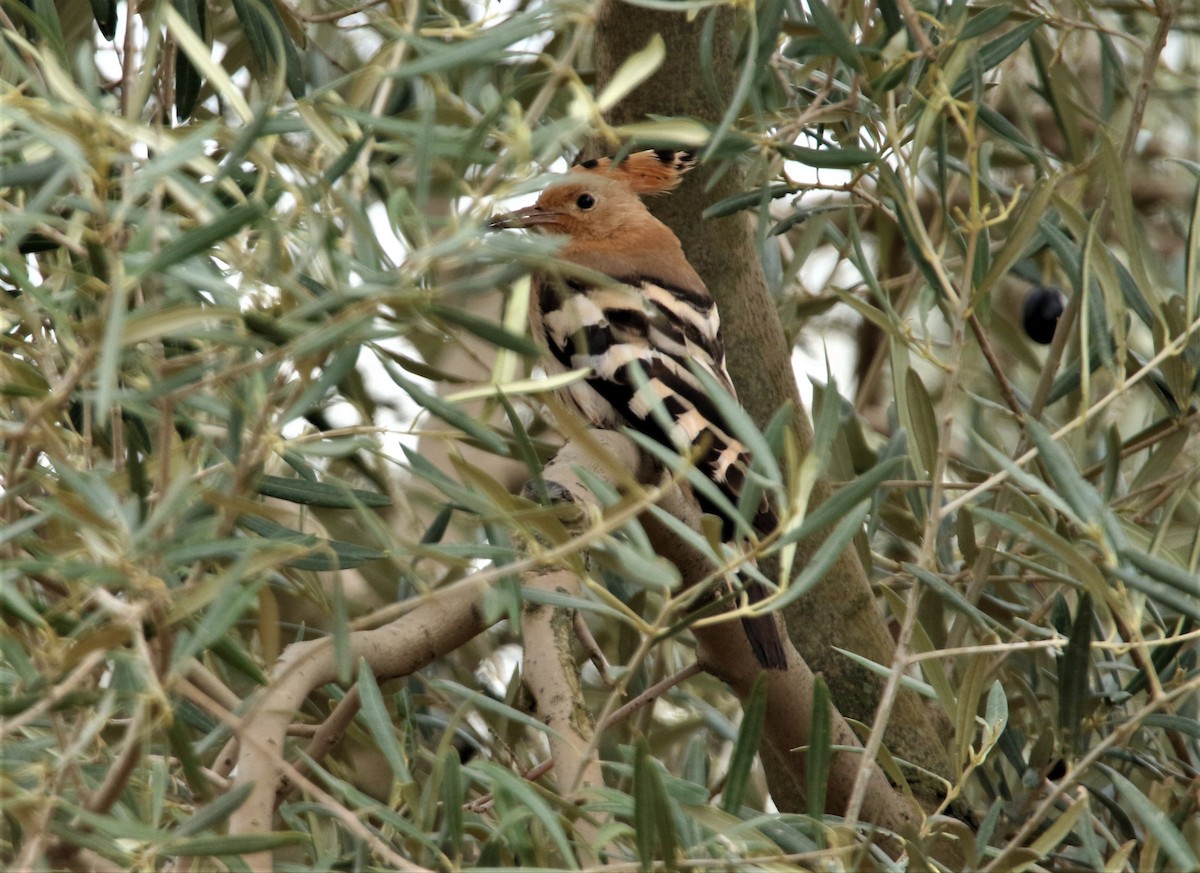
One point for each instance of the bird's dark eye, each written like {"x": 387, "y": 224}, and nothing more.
{"x": 585, "y": 201}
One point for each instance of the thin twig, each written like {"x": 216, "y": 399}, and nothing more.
{"x": 349, "y": 819}
{"x": 1120, "y": 734}
{"x": 326, "y": 736}
{"x": 913, "y": 20}
{"x": 1166, "y": 18}
{"x": 323, "y": 17}
{"x": 119, "y": 771}
{"x": 55, "y": 694}
{"x": 1172, "y": 349}
{"x": 989, "y": 354}
{"x": 655, "y": 691}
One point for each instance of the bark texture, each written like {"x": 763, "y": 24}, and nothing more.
{"x": 840, "y": 611}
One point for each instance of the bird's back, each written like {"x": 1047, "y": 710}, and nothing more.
{"x": 638, "y": 320}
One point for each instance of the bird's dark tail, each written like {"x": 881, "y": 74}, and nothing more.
{"x": 763, "y": 633}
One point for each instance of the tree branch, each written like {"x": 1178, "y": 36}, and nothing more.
{"x": 449, "y": 618}
{"x": 438, "y": 626}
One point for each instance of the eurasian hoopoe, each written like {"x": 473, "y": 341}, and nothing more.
{"x": 657, "y": 313}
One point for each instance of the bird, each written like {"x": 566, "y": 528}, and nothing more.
{"x": 655, "y": 313}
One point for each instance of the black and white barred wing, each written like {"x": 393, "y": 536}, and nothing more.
{"x": 639, "y": 339}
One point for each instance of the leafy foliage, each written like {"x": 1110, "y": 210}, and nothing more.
{"x": 238, "y": 412}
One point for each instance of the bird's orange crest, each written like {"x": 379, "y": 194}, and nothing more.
{"x": 653, "y": 171}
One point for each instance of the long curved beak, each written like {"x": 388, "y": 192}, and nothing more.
{"x": 530, "y": 216}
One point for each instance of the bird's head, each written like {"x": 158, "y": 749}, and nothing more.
{"x": 587, "y": 208}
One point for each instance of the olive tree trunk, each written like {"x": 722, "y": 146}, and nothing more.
{"x": 841, "y": 610}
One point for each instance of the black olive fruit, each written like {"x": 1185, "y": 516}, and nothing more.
{"x": 1040, "y": 313}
